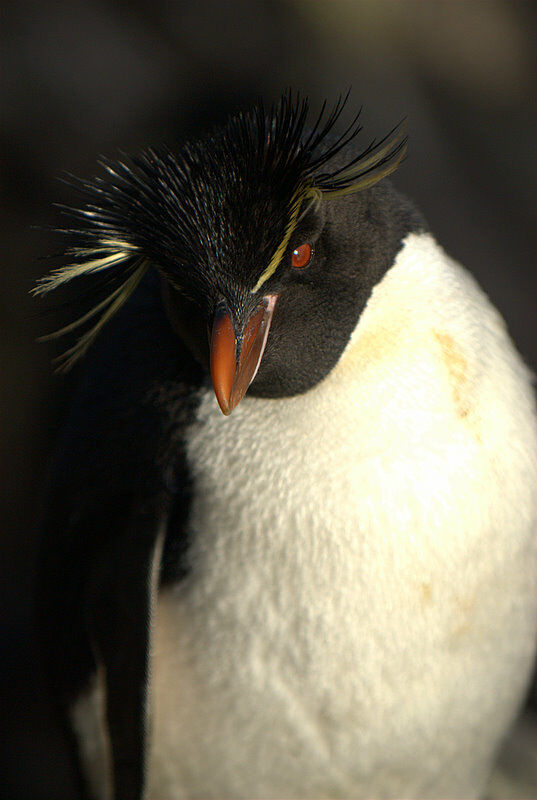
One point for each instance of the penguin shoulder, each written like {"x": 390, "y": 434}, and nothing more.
{"x": 430, "y": 339}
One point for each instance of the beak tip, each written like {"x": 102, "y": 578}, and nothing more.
{"x": 227, "y": 404}
{"x": 224, "y": 402}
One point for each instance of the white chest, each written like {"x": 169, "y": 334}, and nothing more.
{"x": 350, "y": 626}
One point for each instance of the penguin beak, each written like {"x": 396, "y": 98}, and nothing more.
{"x": 235, "y": 357}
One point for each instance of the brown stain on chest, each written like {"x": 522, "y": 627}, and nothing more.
{"x": 426, "y": 593}
{"x": 379, "y": 342}
{"x": 463, "y": 617}
{"x": 392, "y": 338}
{"x": 457, "y": 368}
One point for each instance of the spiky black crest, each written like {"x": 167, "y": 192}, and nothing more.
{"x": 231, "y": 198}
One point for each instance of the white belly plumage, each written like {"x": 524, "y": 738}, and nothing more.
{"x": 360, "y": 615}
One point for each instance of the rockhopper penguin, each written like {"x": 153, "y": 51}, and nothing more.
{"x": 329, "y": 591}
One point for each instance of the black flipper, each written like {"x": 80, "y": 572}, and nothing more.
{"x": 121, "y": 601}
{"x": 101, "y": 617}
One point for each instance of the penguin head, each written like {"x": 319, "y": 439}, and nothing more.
{"x": 267, "y": 235}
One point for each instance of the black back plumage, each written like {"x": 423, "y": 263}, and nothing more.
{"x": 117, "y": 477}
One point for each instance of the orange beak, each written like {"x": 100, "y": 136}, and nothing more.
{"x": 234, "y": 360}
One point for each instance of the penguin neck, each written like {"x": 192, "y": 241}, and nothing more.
{"x": 405, "y": 309}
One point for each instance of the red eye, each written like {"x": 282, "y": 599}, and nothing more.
{"x": 302, "y": 256}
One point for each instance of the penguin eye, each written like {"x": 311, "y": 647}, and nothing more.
{"x": 302, "y": 256}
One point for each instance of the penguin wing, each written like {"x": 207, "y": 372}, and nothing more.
{"x": 115, "y": 483}
{"x": 95, "y": 604}
{"x": 120, "y": 598}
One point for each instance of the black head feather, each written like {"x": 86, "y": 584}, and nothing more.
{"x": 222, "y": 209}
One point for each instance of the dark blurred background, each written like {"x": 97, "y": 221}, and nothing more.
{"x": 81, "y": 79}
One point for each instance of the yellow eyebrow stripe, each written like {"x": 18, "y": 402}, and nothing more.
{"x": 301, "y": 195}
